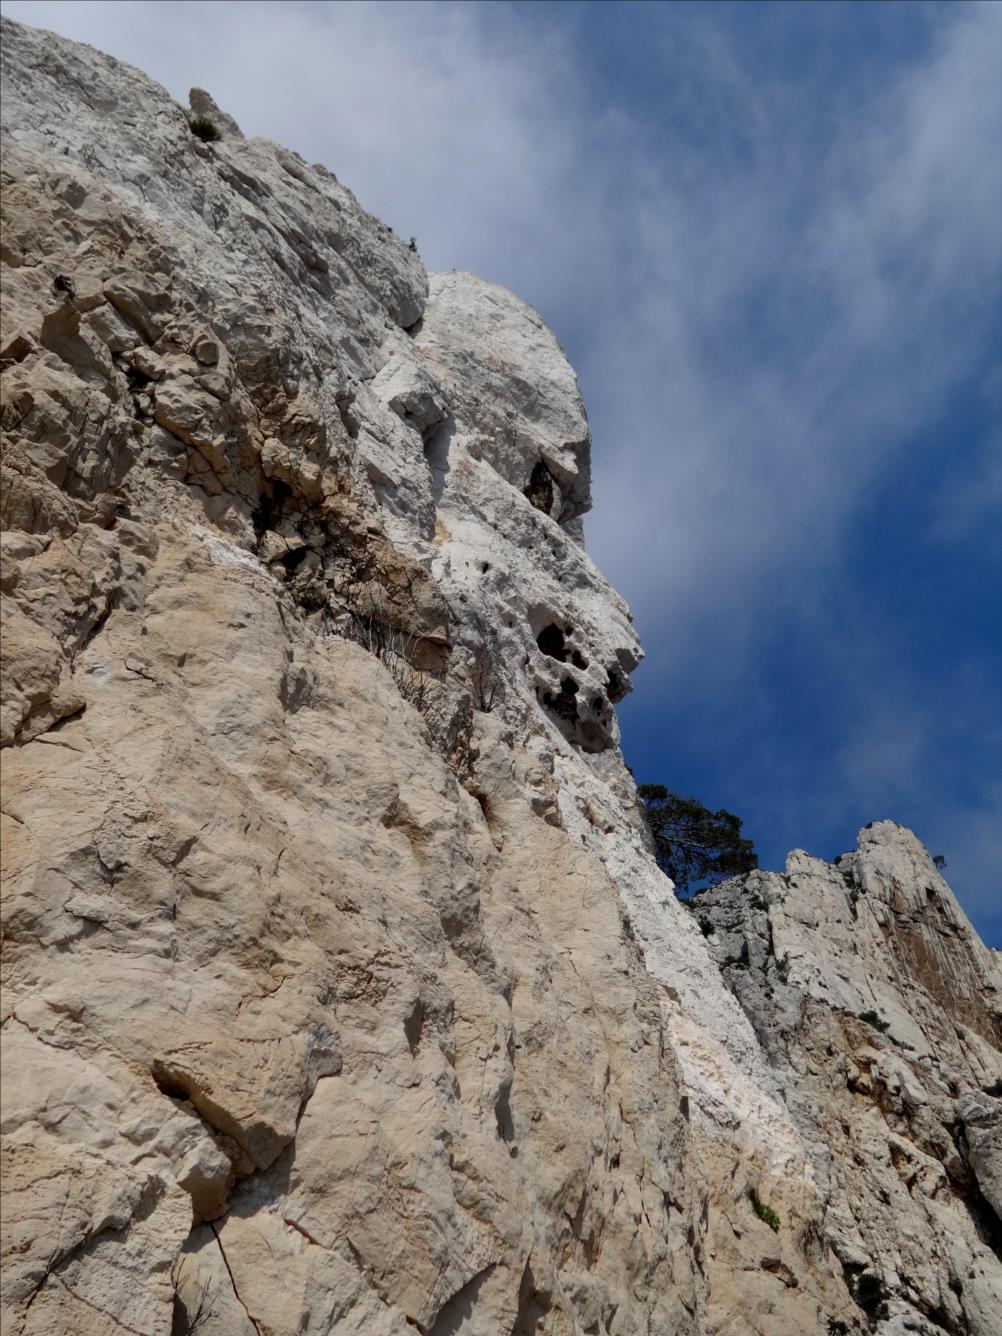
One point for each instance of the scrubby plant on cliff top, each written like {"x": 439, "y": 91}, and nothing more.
{"x": 204, "y": 129}
{"x": 697, "y": 848}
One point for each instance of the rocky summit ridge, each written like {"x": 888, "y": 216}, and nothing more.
{"x": 341, "y": 991}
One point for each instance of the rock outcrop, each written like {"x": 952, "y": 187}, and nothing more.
{"x": 880, "y": 1012}
{"x": 341, "y": 992}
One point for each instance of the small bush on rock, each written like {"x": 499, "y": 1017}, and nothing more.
{"x": 763, "y": 1212}
{"x": 878, "y": 1022}
{"x": 204, "y": 129}
{"x": 868, "y": 1292}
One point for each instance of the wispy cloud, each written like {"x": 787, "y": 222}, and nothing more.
{"x": 806, "y": 312}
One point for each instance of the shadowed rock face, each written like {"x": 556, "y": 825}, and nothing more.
{"x": 342, "y": 993}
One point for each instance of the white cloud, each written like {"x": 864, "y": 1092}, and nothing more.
{"x": 849, "y": 285}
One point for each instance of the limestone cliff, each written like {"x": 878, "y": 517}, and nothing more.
{"x": 341, "y": 992}
{"x": 881, "y": 1014}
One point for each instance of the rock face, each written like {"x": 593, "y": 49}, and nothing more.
{"x": 880, "y": 1012}
{"x": 341, "y": 991}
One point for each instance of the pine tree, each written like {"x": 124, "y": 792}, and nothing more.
{"x": 697, "y": 848}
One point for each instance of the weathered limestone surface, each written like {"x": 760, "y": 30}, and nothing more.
{"x": 341, "y": 991}
{"x": 881, "y": 1014}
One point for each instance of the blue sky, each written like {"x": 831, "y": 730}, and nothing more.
{"x": 768, "y": 237}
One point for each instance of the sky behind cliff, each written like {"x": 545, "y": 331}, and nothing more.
{"x": 768, "y": 237}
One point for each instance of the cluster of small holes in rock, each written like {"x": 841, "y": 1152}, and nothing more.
{"x": 552, "y": 641}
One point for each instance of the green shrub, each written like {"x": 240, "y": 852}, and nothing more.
{"x": 763, "y": 1212}
{"x": 869, "y": 1293}
{"x": 204, "y": 129}
{"x": 878, "y": 1022}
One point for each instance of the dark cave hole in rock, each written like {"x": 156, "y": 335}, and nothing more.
{"x": 592, "y": 736}
{"x": 503, "y": 1114}
{"x": 540, "y": 489}
{"x": 138, "y": 380}
{"x": 551, "y": 641}
{"x": 578, "y": 659}
{"x": 616, "y": 686}
{"x": 168, "y": 1087}
{"x": 413, "y": 1026}
{"x": 563, "y": 704}
{"x": 269, "y": 507}
{"x": 868, "y": 1291}
{"x": 294, "y": 559}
